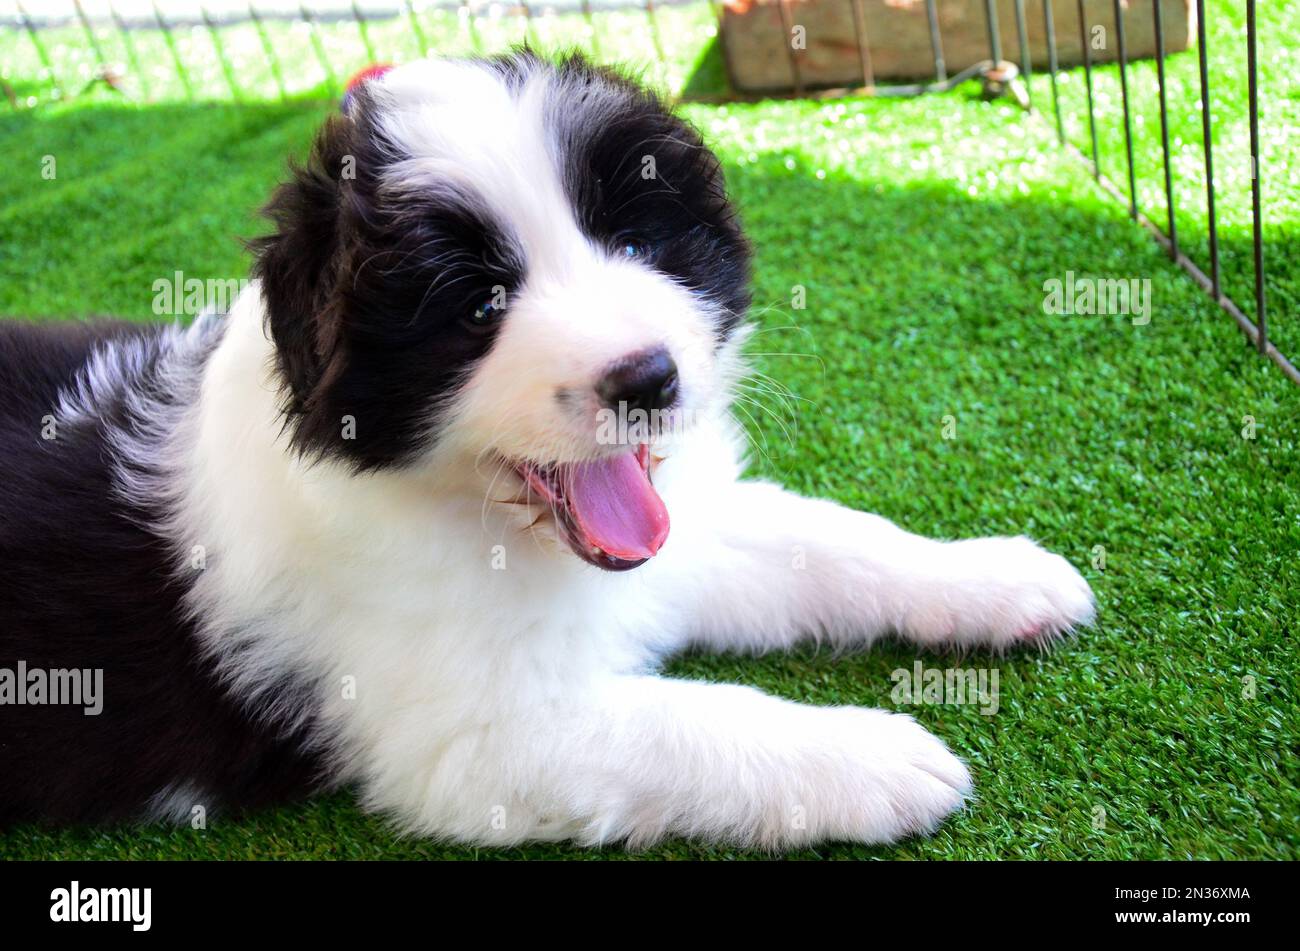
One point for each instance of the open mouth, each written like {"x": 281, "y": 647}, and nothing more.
{"x": 607, "y": 509}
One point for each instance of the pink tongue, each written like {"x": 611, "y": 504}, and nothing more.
{"x": 615, "y": 508}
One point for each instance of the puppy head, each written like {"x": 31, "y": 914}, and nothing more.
{"x": 533, "y": 263}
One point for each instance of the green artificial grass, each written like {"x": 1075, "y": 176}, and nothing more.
{"x": 921, "y": 233}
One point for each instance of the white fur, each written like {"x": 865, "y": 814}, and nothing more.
{"x": 501, "y": 704}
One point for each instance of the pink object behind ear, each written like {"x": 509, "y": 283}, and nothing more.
{"x": 373, "y": 71}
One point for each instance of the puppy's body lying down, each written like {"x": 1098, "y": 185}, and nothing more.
{"x": 375, "y": 528}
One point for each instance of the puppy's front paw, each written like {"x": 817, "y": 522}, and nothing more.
{"x": 1000, "y": 592}
{"x": 892, "y": 778}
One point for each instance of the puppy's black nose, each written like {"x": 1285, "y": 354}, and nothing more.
{"x": 645, "y": 381}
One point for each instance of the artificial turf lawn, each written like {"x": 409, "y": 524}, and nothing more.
{"x": 922, "y": 232}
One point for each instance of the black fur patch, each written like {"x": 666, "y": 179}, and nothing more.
{"x": 368, "y": 297}
{"x": 85, "y": 583}
{"x": 636, "y": 172}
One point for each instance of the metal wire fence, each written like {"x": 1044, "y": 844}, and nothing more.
{"x": 186, "y": 49}
{"x": 244, "y": 50}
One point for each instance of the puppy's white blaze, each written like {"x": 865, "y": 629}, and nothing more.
{"x": 492, "y": 144}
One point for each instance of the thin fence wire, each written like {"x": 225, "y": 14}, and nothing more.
{"x": 250, "y": 49}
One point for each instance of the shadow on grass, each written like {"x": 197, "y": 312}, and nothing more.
{"x": 161, "y": 188}
{"x": 708, "y": 79}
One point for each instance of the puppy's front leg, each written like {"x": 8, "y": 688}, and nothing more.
{"x": 773, "y": 567}
{"x": 641, "y": 758}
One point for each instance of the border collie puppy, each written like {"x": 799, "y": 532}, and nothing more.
{"x": 374, "y": 527}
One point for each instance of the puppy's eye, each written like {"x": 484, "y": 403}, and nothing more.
{"x": 487, "y": 313}
{"x": 632, "y": 248}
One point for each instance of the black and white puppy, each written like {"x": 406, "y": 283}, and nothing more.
{"x": 373, "y": 527}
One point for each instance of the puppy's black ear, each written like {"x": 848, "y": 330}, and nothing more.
{"x": 299, "y": 266}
